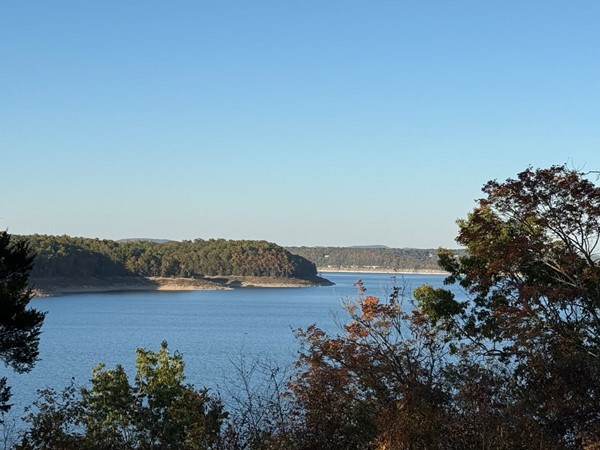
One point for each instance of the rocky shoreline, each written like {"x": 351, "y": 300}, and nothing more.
{"x": 48, "y": 287}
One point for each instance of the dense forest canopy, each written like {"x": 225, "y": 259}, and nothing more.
{"x": 65, "y": 256}
{"x": 362, "y": 258}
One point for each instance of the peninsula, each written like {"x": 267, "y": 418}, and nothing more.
{"x": 65, "y": 264}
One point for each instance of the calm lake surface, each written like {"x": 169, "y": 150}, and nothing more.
{"x": 210, "y": 328}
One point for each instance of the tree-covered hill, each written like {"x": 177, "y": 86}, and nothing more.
{"x": 370, "y": 258}
{"x": 65, "y": 256}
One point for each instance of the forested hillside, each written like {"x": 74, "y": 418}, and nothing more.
{"x": 65, "y": 256}
{"x": 360, "y": 258}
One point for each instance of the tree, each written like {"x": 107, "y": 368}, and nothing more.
{"x": 157, "y": 411}
{"x": 377, "y": 384}
{"x": 513, "y": 365}
{"x": 19, "y": 325}
{"x": 532, "y": 276}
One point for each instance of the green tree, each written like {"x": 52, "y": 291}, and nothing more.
{"x": 157, "y": 411}
{"x": 69, "y": 257}
{"x": 19, "y": 325}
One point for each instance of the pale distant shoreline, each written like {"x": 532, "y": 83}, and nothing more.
{"x": 380, "y": 270}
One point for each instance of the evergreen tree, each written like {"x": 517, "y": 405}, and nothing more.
{"x": 19, "y": 325}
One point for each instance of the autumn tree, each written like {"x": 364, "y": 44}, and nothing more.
{"x": 512, "y": 363}
{"x": 384, "y": 369}
{"x": 19, "y": 325}
{"x": 532, "y": 279}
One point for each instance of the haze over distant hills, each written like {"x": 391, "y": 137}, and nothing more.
{"x": 370, "y": 258}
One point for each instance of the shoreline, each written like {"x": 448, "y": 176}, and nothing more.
{"x": 50, "y": 287}
{"x": 380, "y": 270}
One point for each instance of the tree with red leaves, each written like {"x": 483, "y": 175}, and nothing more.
{"x": 532, "y": 277}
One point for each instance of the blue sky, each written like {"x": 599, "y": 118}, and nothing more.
{"x": 302, "y": 123}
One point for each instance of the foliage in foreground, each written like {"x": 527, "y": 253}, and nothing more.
{"x": 532, "y": 275}
{"x": 19, "y": 324}
{"x": 158, "y": 411}
{"x": 516, "y": 365}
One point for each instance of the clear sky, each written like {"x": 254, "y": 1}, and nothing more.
{"x": 299, "y": 122}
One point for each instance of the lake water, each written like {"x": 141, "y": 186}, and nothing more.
{"x": 210, "y": 328}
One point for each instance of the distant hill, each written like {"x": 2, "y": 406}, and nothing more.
{"x": 79, "y": 258}
{"x": 370, "y": 258}
{"x": 158, "y": 241}
{"x": 368, "y": 246}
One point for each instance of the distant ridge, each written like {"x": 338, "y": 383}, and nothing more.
{"x": 158, "y": 241}
{"x": 368, "y": 246}
{"x": 371, "y": 258}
